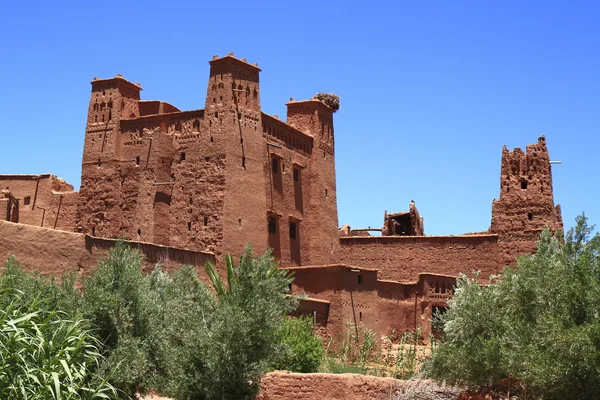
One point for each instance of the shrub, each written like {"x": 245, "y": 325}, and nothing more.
{"x": 302, "y": 350}
{"x": 331, "y": 100}
{"x": 114, "y": 301}
{"x": 538, "y": 323}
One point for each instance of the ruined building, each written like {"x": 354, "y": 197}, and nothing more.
{"x": 190, "y": 186}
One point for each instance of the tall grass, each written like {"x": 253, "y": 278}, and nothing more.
{"x": 46, "y": 355}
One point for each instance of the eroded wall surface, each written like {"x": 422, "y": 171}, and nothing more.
{"x": 281, "y": 385}
{"x": 44, "y": 200}
{"x": 403, "y": 258}
{"x": 51, "y": 251}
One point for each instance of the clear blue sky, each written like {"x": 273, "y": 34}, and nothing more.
{"x": 430, "y": 90}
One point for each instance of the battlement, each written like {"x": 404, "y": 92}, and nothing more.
{"x": 98, "y": 82}
{"x": 230, "y": 58}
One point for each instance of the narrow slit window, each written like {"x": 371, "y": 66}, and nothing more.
{"x": 530, "y": 216}
{"x": 205, "y": 221}
{"x": 182, "y": 156}
{"x": 292, "y": 230}
{"x": 137, "y": 160}
{"x": 272, "y": 225}
{"x": 296, "y": 175}
{"x": 275, "y": 165}
{"x": 360, "y": 279}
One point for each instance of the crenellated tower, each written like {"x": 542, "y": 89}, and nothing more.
{"x": 233, "y": 115}
{"x": 526, "y": 203}
{"x": 111, "y": 100}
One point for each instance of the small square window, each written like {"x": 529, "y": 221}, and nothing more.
{"x": 27, "y": 200}
{"x": 272, "y": 225}
{"x": 292, "y": 230}
{"x": 275, "y": 165}
{"x": 296, "y": 175}
{"x": 524, "y": 184}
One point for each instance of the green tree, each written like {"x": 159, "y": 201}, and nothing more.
{"x": 538, "y": 323}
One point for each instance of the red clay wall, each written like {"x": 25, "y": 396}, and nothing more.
{"x": 281, "y": 385}
{"x": 43, "y": 206}
{"x": 53, "y": 251}
{"x": 403, "y": 258}
{"x": 287, "y": 191}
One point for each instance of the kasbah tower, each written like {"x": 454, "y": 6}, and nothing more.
{"x": 191, "y": 186}
{"x": 212, "y": 179}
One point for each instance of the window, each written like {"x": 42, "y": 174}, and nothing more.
{"x": 27, "y": 200}
{"x": 182, "y": 156}
{"x": 524, "y": 184}
{"x": 296, "y": 174}
{"x": 275, "y": 165}
{"x": 205, "y": 221}
{"x": 360, "y": 280}
{"x": 292, "y": 230}
{"x": 137, "y": 160}
{"x": 272, "y": 225}
{"x": 530, "y": 216}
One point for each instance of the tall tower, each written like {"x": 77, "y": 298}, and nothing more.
{"x": 233, "y": 113}
{"x": 321, "y": 219}
{"x": 526, "y": 203}
{"x": 110, "y": 101}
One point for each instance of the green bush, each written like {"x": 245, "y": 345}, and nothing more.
{"x": 44, "y": 352}
{"x": 302, "y": 350}
{"x": 240, "y": 340}
{"x": 164, "y": 332}
{"x": 538, "y": 323}
{"x": 114, "y": 300}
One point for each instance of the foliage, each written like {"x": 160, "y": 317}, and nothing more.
{"x": 242, "y": 336}
{"x": 44, "y": 352}
{"x": 331, "y": 100}
{"x": 164, "y": 332}
{"x": 538, "y": 323}
{"x": 114, "y": 299}
{"x": 302, "y": 348}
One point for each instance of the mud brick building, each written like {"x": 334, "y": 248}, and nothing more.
{"x": 202, "y": 183}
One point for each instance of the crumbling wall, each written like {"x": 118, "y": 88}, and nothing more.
{"x": 402, "y": 258}
{"x": 53, "y": 252}
{"x": 280, "y": 385}
{"x": 407, "y": 223}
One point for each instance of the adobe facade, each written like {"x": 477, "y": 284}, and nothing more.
{"x": 210, "y": 180}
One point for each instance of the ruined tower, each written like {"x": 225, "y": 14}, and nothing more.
{"x": 526, "y": 203}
